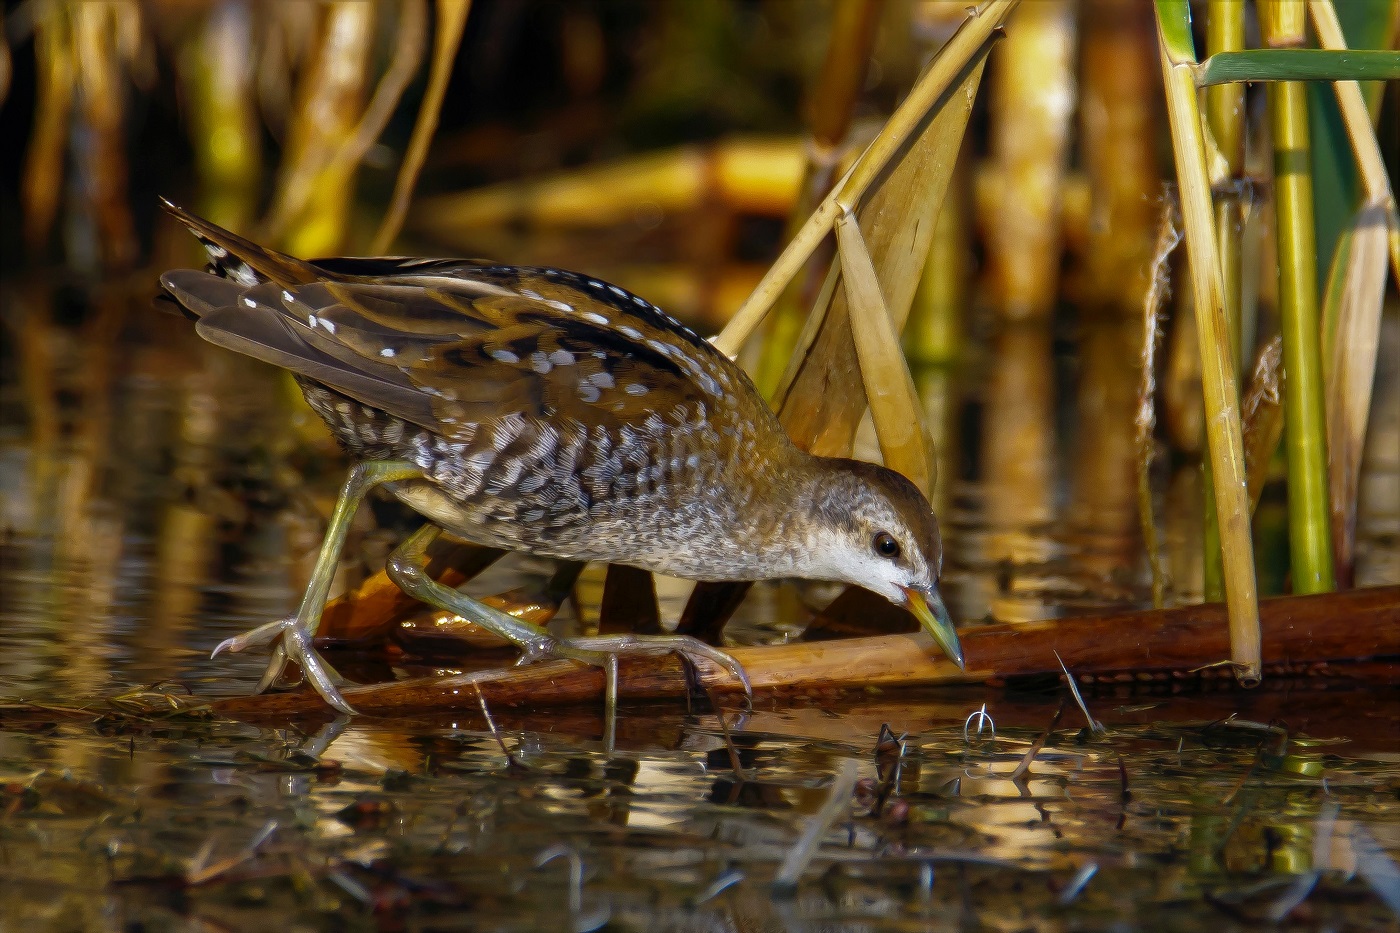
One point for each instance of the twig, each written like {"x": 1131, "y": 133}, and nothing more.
{"x": 1025, "y": 766}
{"x": 1094, "y": 724}
{"x": 838, "y": 801}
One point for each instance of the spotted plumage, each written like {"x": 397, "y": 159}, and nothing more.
{"x": 553, "y": 412}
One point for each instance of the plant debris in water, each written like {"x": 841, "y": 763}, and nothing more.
{"x": 118, "y": 818}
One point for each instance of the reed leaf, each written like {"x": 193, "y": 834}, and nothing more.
{"x": 818, "y": 398}
{"x": 1298, "y": 65}
{"x": 889, "y": 388}
{"x": 963, "y": 52}
{"x": 1354, "y": 300}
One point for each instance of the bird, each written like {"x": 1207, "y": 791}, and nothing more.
{"x": 541, "y": 410}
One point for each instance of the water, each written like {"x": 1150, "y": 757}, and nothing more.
{"x": 160, "y": 495}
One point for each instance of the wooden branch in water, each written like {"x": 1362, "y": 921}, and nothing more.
{"x": 1297, "y": 630}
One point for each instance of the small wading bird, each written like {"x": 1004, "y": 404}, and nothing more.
{"x": 541, "y": 410}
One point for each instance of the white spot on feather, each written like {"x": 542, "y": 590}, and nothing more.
{"x": 387, "y": 352}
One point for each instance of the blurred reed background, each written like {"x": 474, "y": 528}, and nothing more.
{"x": 674, "y": 148}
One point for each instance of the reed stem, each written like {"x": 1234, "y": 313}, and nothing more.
{"x": 1309, "y": 525}
{"x": 1225, "y": 112}
{"x": 1218, "y": 374}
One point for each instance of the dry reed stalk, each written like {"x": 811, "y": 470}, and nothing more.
{"x": 965, "y": 47}
{"x": 1360, "y": 132}
{"x": 1032, "y": 101}
{"x": 328, "y": 103}
{"x": 1225, "y": 121}
{"x": 219, "y": 71}
{"x": 754, "y": 174}
{"x": 342, "y": 161}
{"x": 1350, "y": 347}
{"x": 829, "y": 109}
{"x": 1119, "y": 115}
{"x": 1220, "y": 390}
{"x": 817, "y": 400}
{"x": 55, "y": 76}
{"x": 451, "y": 23}
{"x": 1355, "y": 299}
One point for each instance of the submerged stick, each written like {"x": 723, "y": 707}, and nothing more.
{"x": 1299, "y": 629}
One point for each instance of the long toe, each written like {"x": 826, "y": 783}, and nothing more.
{"x": 253, "y": 638}
{"x": 692, "y": 649}
{"x": 296, "y": 642}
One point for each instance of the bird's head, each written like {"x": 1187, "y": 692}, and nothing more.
{"x": 879, "y": 532}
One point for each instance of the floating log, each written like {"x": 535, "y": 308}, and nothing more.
{"x": 1153, "y": 644}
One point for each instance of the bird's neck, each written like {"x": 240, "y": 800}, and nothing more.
{"x": 791, "y": 515}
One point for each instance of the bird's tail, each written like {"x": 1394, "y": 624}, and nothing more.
{"x": 240, "y": 260}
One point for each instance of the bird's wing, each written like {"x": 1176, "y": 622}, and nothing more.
{"x": 447, "y": 344}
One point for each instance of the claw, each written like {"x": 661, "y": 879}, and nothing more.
{"x": 293, "y": 643}
{"x": 262, "y": 635}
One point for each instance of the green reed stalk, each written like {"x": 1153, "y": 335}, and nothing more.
{"x": 1309, "y": 524}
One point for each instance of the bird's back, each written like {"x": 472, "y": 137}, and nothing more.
{"x": 548, "y": 410}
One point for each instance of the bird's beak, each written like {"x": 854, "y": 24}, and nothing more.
{"x": 927, "y": 606}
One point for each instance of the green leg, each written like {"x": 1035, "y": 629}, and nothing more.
{"x": 406, "y": 567}
{"x": 294, "y": 635}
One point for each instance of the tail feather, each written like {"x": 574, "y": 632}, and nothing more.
{"x": 242, "y": 260}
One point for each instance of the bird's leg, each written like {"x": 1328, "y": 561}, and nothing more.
{"x": 294, "y": 634}
{"x": 406, "y": 567}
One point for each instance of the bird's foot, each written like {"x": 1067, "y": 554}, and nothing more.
{"x": 604, "y": 650}
{"x": 293, "y": 642}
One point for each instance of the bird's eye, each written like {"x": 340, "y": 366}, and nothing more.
{"x": 885, "y": 545}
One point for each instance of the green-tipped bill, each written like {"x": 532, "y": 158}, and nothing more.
{"x": 927, "y": 606}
